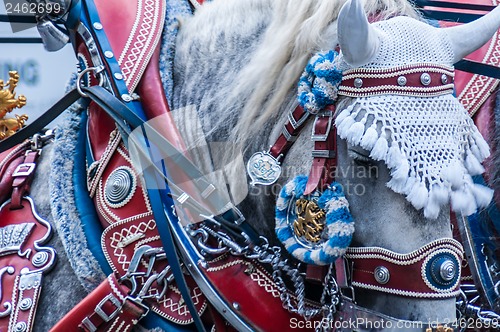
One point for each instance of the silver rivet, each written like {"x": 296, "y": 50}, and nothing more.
{"x": 447, "y": 270}
{"x": 444, "y": 79}
{"x": 358, "y": 82}
{"x": 20, "y": 327}
{"x": 382, "y": 275}
{"x": 118, "y": 76}
{"x": 97, "y": 26}
{"x": 425, "y": 79}
{"x": 126, "y": 97}
{"x": 40, "y": 258}
{"x": 25, "y": 304}
{"x": 236, "y": 306}
{"x": 402, "y": 80}
{"x": 108, "y": 54}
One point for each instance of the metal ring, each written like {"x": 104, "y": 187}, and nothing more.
{"x": 97, "y": 71}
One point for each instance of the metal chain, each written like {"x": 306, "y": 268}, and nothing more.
{"x": 468, "y": 309}
{"x": 271, "y": 255}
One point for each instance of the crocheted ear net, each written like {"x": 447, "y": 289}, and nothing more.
{"x": 430, "y": 144}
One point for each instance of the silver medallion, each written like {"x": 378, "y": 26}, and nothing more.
{"x": 263, "y": 168}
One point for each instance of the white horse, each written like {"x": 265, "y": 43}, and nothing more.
{"x": 236, "y": 67}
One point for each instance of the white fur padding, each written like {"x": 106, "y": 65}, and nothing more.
{"x": 431, "y": 146}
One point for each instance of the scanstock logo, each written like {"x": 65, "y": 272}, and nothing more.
{"x": 204, "y": 178}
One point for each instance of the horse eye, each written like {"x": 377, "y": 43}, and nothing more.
{"x": 360, "y": 158}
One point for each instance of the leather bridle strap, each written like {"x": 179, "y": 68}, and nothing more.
{"x": 324, "y": 154}
{"x": 294, "y": 124}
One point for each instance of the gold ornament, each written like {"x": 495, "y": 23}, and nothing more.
{"x": 310, "y": 220}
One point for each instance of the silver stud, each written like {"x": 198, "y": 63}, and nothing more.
{"x": 382, "y": 275}
{"x": 119, "y": 186}
{"x": 444, "y": 79}
{"x": 20, "y": 327}
{"x": 402, "y": 80}
{"x": 108, "y": 54}
{"x": 425, "y": 79}
{"x": 358, "y": 82}
{"x": 25, "y": 304}
{"x": 447, "y": 270}
{"x": 40, "y": 258}
{"x": 236, "y": 306}
{"x": 97, "y": 26}
{"x": 118, "y": 76}
{"x": 126, "y": 97}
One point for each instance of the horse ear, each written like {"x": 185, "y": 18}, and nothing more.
{"x": 467, "y": 38}
{"x": 357, "y": 38}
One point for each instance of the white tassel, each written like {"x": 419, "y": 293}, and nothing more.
{"x": 379, "y": 151}
{"x": 410, "y": 184}
{"x": 454, "y": 174}
{"x": 418, "y": 196}
{"x": 484, "y": 149}
{"x": 440, "y": 194}
{"x": 473, "y": 165}
{"x": 397, "y": 185}
{"x": 431, "y": 210}
{"x": 482, "y": 194}
{"x": 344, "y": 114}
{"x": 394, "y": 156}
{"x": 343, "y": 128}
{"x": 462, "y": 201}
{"x": 355, "y": 133}
{"x": 401, "y": 171}
{"x": 369, "y": 139}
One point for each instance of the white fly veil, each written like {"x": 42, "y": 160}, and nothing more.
{"x": 426, "y": 138}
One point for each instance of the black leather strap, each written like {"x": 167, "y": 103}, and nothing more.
{"x": 40, "y": 123}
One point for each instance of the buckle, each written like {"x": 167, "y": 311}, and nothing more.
{"x": 19, "y": 171}
{"x": 297, "y": 123}
{"x": 322, "y": 137}
{"x": 107, "y": 317}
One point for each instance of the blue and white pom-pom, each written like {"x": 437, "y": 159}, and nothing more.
{"x": 338, "y": 230}
{"x": 318, "y": 85}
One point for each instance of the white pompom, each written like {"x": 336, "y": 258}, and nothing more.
{"x": 401, "y": 170}
{"x": 462, "y": 201}
{"x": 379, "y": 151}
{"x": 418, "y": 196}
{"x": 369, "y": 139}
{"x": 482, "y": 194}
{"x": 344, "y": 114}
{"x": 431, "y": 210}
{"x": 473, "y": 165}
{"x": 484, "y": 149}
{"x": 454, "y": 174}
{"x": 394, "y": 156}
{"x": 343, "y": 128}
{"x": 410, "y": 184}
{"x": 355, "y": 133}
{"x": 397, "y": 185}
{"x": 440, "y": 194}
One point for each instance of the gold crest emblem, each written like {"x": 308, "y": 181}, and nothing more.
{"x": 310, "y": 220}
{"x": 8, "y": 102}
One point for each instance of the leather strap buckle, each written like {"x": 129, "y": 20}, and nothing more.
{"x": 24, "y": 169}
{"x": 108, "y": 317}
{"x": 321, "y": 137}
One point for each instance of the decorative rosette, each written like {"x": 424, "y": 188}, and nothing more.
{"x": 318, "y": 85}
{"x": 317, "y": 228}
